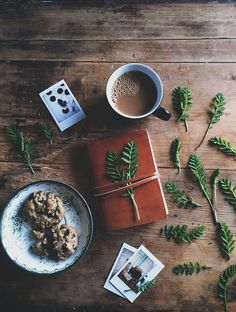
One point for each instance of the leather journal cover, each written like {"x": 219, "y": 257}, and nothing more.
{"x": 116, "y": 211}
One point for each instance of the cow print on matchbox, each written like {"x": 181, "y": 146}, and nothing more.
{"x": 62, "y": 105}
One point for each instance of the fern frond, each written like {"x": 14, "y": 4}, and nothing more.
{"x": 225, "y": 238}
{"x": 130, "y": 158}
{"x": 175, "y": 148}
{"x": 16, "y": 136}
{"x": 218, "y": 108}
{"x": 24, "y": 147}
{"x": 182, "y": 102}
{"x": 175, "y": 233}
{"x": 214, "y": 179}
{"x": 198, "y": 170}
{"x": 195, "y": 233}
{"x": 225, "y": 279}
{"x": 146, "y": 285}
{"x": 180, "y": 234}
{"x": 224, "y": 145}
{"x": 113, "y": 167}
{"x": 28, "y": 150}
{"x": 189, "y": 268}
{"x": 181, "y": 198}
{"x": 124, "y": 167}
{"x": 215, "y": 175}
{"x": 229, "y": 190}
{"x": 13, "y": 132}
{"x": 47, "y": 131}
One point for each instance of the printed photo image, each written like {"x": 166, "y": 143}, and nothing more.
{"x": 62, "y": 105}
{"x": 124, "y": 255}
{"x": 136, "y": 272}
{"x": 142, "y": 267}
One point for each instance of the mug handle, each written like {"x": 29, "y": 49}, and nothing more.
{"x": 162, "y": 113}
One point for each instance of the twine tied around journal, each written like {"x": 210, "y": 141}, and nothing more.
{"x": 124, "y": 185}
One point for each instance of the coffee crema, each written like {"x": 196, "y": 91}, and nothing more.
{"x": 134, "y": 93}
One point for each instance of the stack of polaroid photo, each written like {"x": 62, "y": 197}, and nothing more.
{"x": 132, "y": 269}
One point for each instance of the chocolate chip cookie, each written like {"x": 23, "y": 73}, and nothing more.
{"x": 45, "y": 209}
{"x": 58, "y": 242}
{"x": 65, "y": 241}
{"x": 43, "y": 247}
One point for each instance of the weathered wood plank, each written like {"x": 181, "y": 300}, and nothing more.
{"x": 82, "y": 284}
{"x": 65, "y": 147}
{"x": 207, "y": 50}
{"x": 140, "y": 21}
{"x": 75, "y": 292}
{"x": 77, "y": 175}
{"x": 20, "y": 90}
{"x": 99, "y": 39}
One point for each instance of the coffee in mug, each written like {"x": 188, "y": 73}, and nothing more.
{"x": 134, "y": 93}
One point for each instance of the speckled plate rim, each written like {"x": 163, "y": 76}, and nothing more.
{"x": 90, "y": 220}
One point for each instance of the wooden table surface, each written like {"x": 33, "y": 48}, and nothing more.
{"x": 190, "y": 44}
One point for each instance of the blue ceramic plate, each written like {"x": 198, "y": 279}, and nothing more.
{"x": 16, "y": 232}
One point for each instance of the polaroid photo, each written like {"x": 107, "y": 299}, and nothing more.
{"x": 124, "y": 254}
{"x": 143, "y": 266}
{"x": 62, "y": 105}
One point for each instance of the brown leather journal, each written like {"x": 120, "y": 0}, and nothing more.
{"x": 116, "y": 211}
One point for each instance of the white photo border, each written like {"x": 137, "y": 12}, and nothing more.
{"x": 122, "y": 287}
{"x": 70, "y": 121}
{"x": 107, "y": 284}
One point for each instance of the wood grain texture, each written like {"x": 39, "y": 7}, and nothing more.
{"x": 187, "y": 44}
{"x": 75, "y": 292}
{"x": 88, "y": 80}
{"x": 166, "y": 51}
{"x": 135, "y": 21}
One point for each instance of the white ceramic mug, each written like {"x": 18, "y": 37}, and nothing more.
{"x": 156, "y": 110}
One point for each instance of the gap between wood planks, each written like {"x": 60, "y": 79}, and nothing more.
{"x": 122, "y": 40}
{"x": 111, "y": 62}
{"x": 69, "y": 163}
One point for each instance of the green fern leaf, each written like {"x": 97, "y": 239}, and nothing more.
{"x": 194, "y": 234}
{"x": 224, "y": 145}
{"x": 28, "y": 150}
{"x": 130, "y": 157}
{"x": 199, "y": 172}
{"x": 146, "y": 285}
{"x": 124, "y": 167}
{"x": 189, "y": 268}
{"x": 175, "y": 233}
{"x": 180, "y": 234}
{"x": 113, "y": 166}
{"x": 225, "y": 238}
{"x": 218, "y": 108}
{"x": 224, "y": 281}
{"x": 175, "y": 148}
{"x": 182, "y": 102}
{"x": 24, "y": 147}
{"x": 180, "y": 197}
{"x": 16, "y": 136}
{"x": 47, "y": 131}
{"x": 214, "y": 179}
{"x": 229, "y": 190}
